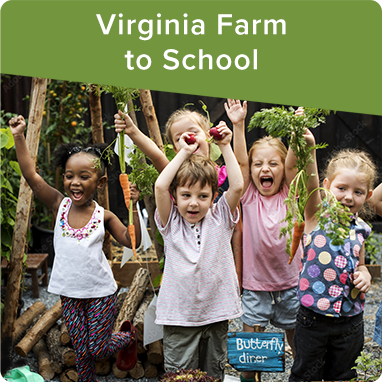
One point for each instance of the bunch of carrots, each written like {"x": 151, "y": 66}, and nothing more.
{"x": 121, "y": 96}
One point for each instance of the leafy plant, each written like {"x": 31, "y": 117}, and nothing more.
{"x": 10, "y": 183}
{"x": 373, "y": 247}
{"x": 188, "y": 376}
{"x": 368, "y": 369}
{"x": 143, "y": 174}
{"x": 280, "y": 122}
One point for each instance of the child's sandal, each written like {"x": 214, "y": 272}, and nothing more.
{"x": 127, "y": 357}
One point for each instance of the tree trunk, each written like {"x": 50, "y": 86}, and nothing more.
{"x": 133, "y": 298}
{"x": 149, "y": 200}
{"x": 97, "y": 134}
{"x": 150, "y": 116}
{"x": 22, "y": 215}
{"x": 140, "y": 315}
{"x": 43, "y": 359}
{"x": 155, "y": 353}
{"x": 26, "y": 319}
{"x": 39, "y": 329}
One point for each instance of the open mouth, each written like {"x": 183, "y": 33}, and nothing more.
{"x": 77, "y": 195}
{"x": 266, "y": 182}
{"x": 192, "y": 213}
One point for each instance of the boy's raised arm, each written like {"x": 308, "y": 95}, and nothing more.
{"x": 237, "y": 113}
{"x": 143, "y": 142}
{"x": 162, "y": 184}
{"x": 235, "y": 177}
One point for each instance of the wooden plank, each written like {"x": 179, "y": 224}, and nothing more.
{"x": 22, "y": 213}
{"x": 126, "y": 274}
{"x": 256, "y": 351}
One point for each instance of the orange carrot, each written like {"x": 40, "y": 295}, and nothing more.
{"x": 131, "y": 229}
{"x": 296, "y": 239}
{"x": 124, "y": 180}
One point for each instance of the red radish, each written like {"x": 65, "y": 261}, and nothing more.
{"x": 190, "y": 140}
{"x": 215, "y": 134}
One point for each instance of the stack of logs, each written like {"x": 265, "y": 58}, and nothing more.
{"x": 50, "y": 341}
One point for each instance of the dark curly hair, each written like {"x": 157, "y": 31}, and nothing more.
{"x": 66, "y": 150}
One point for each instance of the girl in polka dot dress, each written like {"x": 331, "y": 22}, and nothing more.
{"x": 333, "y": 279}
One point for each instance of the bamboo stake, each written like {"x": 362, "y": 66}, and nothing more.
{"x": 150, "y": 116}
{"x": 149, "y": 200}
{"x": 22, "y": 213}
{"x": 97, "y": 134}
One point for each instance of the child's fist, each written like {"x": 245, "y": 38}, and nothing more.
{"x": 123, "y": 122}
{"x": 17, "y": 125}
{"x": 134, "y": 193}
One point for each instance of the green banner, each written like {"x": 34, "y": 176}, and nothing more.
{"x": 324, "y": 54}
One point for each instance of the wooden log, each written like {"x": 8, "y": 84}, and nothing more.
{"x": 137, "y": 372}
{"x": 26, "y": 319}
{"x": 43, "y": 359}
{"x": 121, "y": 374}
{"x": 64, "y": 334}
{"x": 140, "y": 348}
{"x": 151, "y": 371}
{"x": 12, "y": 294}
{"x": 155, "y": 352}
{"x": 68, "y": 357}
{"x": 120, "y": 299}
{"x": 69, "y": 375}
{"x": 54, "y": 346}
{"x": 133, "y": 298}
{"x": 103, "y": 366}
{"x": 139, "y": 317}
{"x": 42, "y": 326}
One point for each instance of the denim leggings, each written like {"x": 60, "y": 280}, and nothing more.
{"x": 326, "y": 347}
{"x": 90, "y": 323}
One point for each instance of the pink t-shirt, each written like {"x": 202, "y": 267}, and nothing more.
{"x": 265, "y": 261}
{"x": 199, "y": 283}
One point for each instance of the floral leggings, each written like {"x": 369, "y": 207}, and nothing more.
{"x": 90, "y": 323}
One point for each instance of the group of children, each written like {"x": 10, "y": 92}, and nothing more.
{"x": 318, "y": 299}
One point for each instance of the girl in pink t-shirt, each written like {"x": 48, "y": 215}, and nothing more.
{"x": 269, "y": 283}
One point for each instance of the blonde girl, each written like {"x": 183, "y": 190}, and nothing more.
{"x": 269, "y": 283}
{"x": 334, "y": 279}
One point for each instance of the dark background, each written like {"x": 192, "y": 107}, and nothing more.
{"x": 341, "y": 130}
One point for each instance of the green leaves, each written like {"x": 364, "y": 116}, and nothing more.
{"x": 280, "y": 122}
{"x": 143, "y": 174}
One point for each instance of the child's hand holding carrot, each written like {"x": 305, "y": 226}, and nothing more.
{"x": 123, "y": 122}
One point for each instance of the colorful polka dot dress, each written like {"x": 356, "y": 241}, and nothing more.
{"x": 325, "y": 284}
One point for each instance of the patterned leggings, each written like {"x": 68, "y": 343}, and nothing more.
{"x": 90, "y": 323}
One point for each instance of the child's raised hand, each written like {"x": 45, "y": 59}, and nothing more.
{"x": 134, "y": 193}
{"x": 362, "y": 280}
{"x": 309, "y": 138}
{"x": 123, "y": 123}
{"x": 299, "y": 111}
{"x": 17, "y": 125}
{"x": 235, "y": 111}
{"x": 225, "y": 132}
{"x": 188, "y": 142}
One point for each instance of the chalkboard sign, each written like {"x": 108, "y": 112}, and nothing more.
{"x": 249, "y": 351}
